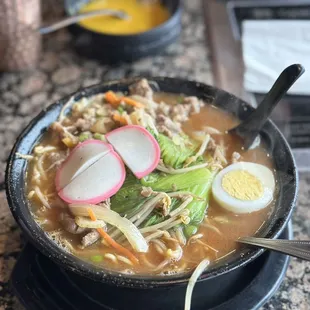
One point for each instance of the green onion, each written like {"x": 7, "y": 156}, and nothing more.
{"x": 99, "y": 136}
{"x": 96, "y": 258}
{"x": 120, "y": 109}
{"x": 84, "y": 136}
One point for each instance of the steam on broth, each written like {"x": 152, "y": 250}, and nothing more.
{"x": 172, "y": 208}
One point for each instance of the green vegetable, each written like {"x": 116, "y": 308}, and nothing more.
{"x": 172, "y": 182}
{"x": 153, "y": 219}
{"x": 198, "y": 208}
{"x": 175, "y": 155}
{"x": 128, "y": 199}
{"x": 84, "y": 136}
{"x": 96, "y": 258}
{"x": 120, "y": 109}
{"x": 99, "y": 136}
{"x": 190, "y": 230}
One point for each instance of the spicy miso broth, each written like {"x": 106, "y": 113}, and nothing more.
{"x": 180, "y": 211}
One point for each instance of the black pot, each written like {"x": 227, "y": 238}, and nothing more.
{"x": 117, "y": 48}
{"x": 220, "y": 277}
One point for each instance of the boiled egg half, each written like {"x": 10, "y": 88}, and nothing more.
{"x": 244, "y": 187}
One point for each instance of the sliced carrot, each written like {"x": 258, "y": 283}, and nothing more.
{"x": 119, "y": 118}
{"x": 111, "y": 241}
{"x": 111, "y": 97}
{"x": 132, "y": 102}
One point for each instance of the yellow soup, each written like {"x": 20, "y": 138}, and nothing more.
{"x": 144, "y": 15}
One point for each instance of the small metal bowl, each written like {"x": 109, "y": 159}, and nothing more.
{"x": 110, "y": 48}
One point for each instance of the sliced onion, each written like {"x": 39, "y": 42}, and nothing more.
{"x": 192, "y": 281}
{"x": 130, "y": 231}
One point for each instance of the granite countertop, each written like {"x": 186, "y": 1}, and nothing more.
{"x": 61, "y": 71}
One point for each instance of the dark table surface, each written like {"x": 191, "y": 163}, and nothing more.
{"x": 61, "y": 71}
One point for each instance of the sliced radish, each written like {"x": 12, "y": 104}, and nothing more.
{"x": 82, "y": 156}
{"x": 92, "y": 173}
{"x": 97, "y": 183}
{"x": 137, "y": 147}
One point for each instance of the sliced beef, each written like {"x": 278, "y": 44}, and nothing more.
{"x": 193, "y": 103}
{"x": 163, "y": 108}
{"x": 141, "y": 88}
{"x": 180, "y": 112}
{"x": 57, "y": 130}
{"x": 165, "y": 131}
{"x": 173, "y": 127}
{"x": 68, "y": 224}
{"x": 82, "y": 124}
{"x": 90, "y": 238}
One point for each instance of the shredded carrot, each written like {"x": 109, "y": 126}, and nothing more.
{"x": 132, "y": 102}
{"x": 111, "y": 97}
{"x": 91, "y": 214}
{"x": 110, "y": 241}
{"x": 119, "y": 118}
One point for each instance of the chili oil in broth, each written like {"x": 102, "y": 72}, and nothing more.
{"x": 220, "y": 230}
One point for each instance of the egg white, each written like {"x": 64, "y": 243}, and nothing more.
{"x": 264, "y": 174}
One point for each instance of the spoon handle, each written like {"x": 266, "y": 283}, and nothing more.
{"x": 295, "y": 248}
{"x": 77, "y": 18}
{"x": 253, "y": 124}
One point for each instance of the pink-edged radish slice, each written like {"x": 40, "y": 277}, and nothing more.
{"x": 137, "y": 147}
{"x": 81, "y": 157}
{"x": 98, "y": 182}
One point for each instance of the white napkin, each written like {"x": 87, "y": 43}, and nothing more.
{"x": 269, "y": 46}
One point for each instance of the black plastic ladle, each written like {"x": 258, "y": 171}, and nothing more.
{"x": 249, "y": 129}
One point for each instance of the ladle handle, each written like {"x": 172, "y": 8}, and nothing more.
{"x": 257, "y": 118}
{"x": 295, "y": 248}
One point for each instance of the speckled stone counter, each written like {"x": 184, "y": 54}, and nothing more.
{"x": 61, "y": 71}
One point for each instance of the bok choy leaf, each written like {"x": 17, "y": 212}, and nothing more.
{"x": 176, "y": 182}
{"x": 198, "y": 208}
{"x": 175, "y": 151}
{"x": 128, "y": 199}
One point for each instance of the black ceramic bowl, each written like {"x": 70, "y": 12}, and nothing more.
{"x": 219, "y": 279}
{"x": 117, "y": 48}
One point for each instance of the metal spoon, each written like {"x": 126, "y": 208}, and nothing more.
{"x": 77, "y": 18}
{"x": 295, "y": 248}
{"x": 249, "y": 129}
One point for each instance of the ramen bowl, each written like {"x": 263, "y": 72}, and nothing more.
{"x": 156, "y": 291}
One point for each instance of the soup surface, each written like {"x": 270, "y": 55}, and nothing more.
{"x": 144, "y": 15}
{"x": 202, "y": 229}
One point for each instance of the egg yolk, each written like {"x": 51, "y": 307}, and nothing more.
{"x": 242, "y": 185}
{"x": 144, "y": 15}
